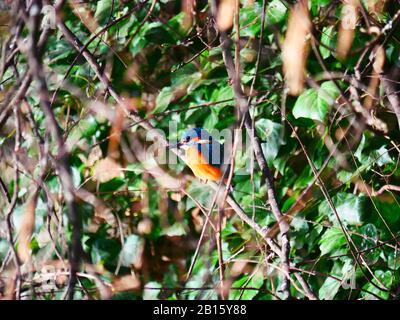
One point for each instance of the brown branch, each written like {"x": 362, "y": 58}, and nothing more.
{"x": 221, "y": 266}
{"x": 12, "y": 205}
{"x": 243, "y": 106}
{"x": 63, "y": 168}
{"x": 11, "y": 100}
{"x": 359, "y": 259}
{"x": 94, "y": 37}
{"x": 385, "y": 188}
{"x": 242, "y": 101}
{"x": 5, "y": 191}
{"x": 389, "y": 85}
{"x": 152, "y": 6}
{"x": 23, "y": 84}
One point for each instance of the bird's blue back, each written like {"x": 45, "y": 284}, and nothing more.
{"x": 213, "y": 152}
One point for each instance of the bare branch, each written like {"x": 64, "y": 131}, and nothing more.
{"x": 63, "y": 167}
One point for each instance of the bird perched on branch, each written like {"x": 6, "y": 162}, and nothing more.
{"x": 203, "y": 154}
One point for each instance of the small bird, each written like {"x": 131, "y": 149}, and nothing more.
{"x": 203, "y": 154}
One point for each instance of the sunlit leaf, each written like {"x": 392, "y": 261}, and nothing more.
{"x": 276, "y": 11}
{"x": 163, "y": 99}
{"x": 329, "y": 289}
{"x": 151, "y": 290}
{"x": 332, "y": 239}
{"x": 349, "y": 207}
{"x": 177, "y": 229}
{"x": 271, "y": 133}
{"x": 327, "y": 41}
{"x": 132, "y": 251}
{"x": 314, "y": 104}
{"x": 103, "y": 10}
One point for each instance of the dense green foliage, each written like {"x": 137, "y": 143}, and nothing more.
{"x": 138, "y": 235}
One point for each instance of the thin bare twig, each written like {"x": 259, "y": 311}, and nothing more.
{"x": 63, "y": 168}
{"x": 243, "y": 105}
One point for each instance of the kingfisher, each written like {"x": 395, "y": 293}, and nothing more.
{"x": 203, "y": 154}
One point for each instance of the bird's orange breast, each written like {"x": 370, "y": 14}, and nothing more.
{"x": 200, "y": 166}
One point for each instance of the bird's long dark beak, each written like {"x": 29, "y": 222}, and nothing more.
{"x": 175, "y": 145}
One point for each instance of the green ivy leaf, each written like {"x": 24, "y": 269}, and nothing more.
{"x": 386, "y": 278}
{"x": 132, "y": 250}
{"x": 103, "y": 10}
{"x": 331, "y": 240}
{"x": 40, "y": 215}
{"x": 211, "y": 121}
{"x": 329, "y": 289}
{"x": 369, "y": 156}
{"x": 393, "y": 260}
{"x": 198, "y": 192}
{"x": 177, "y": 229}
{"x": 328, "y": 40}
{"x": 76, "y": 177}
{"x": 349, "y": 207}
{"x": 387, "y": 209}
{"x": 104, "y": 250}
{"x": 368, "y": 243}
{"x": 270, "y": 132}
{"x": 4, "y": 247}
{"x": 276, "y": 12}
{"x": 314, "y": 104}
{"x": 221, "y": 94}
{"x": 151, "y": 290}
{"x": 255, "y": 282}
{"x": 248, "y": 15}
{"x": 315, "y": 4}
{"x": 163, "y": 99}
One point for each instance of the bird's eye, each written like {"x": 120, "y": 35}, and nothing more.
{"x": 186, "y": 139}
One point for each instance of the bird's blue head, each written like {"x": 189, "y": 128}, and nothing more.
{"x": 194, "y": 136}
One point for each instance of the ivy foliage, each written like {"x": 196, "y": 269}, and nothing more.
{"x": 335, "y": 171}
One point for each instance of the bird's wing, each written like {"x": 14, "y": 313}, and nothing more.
{"x": 213, "y": 152}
